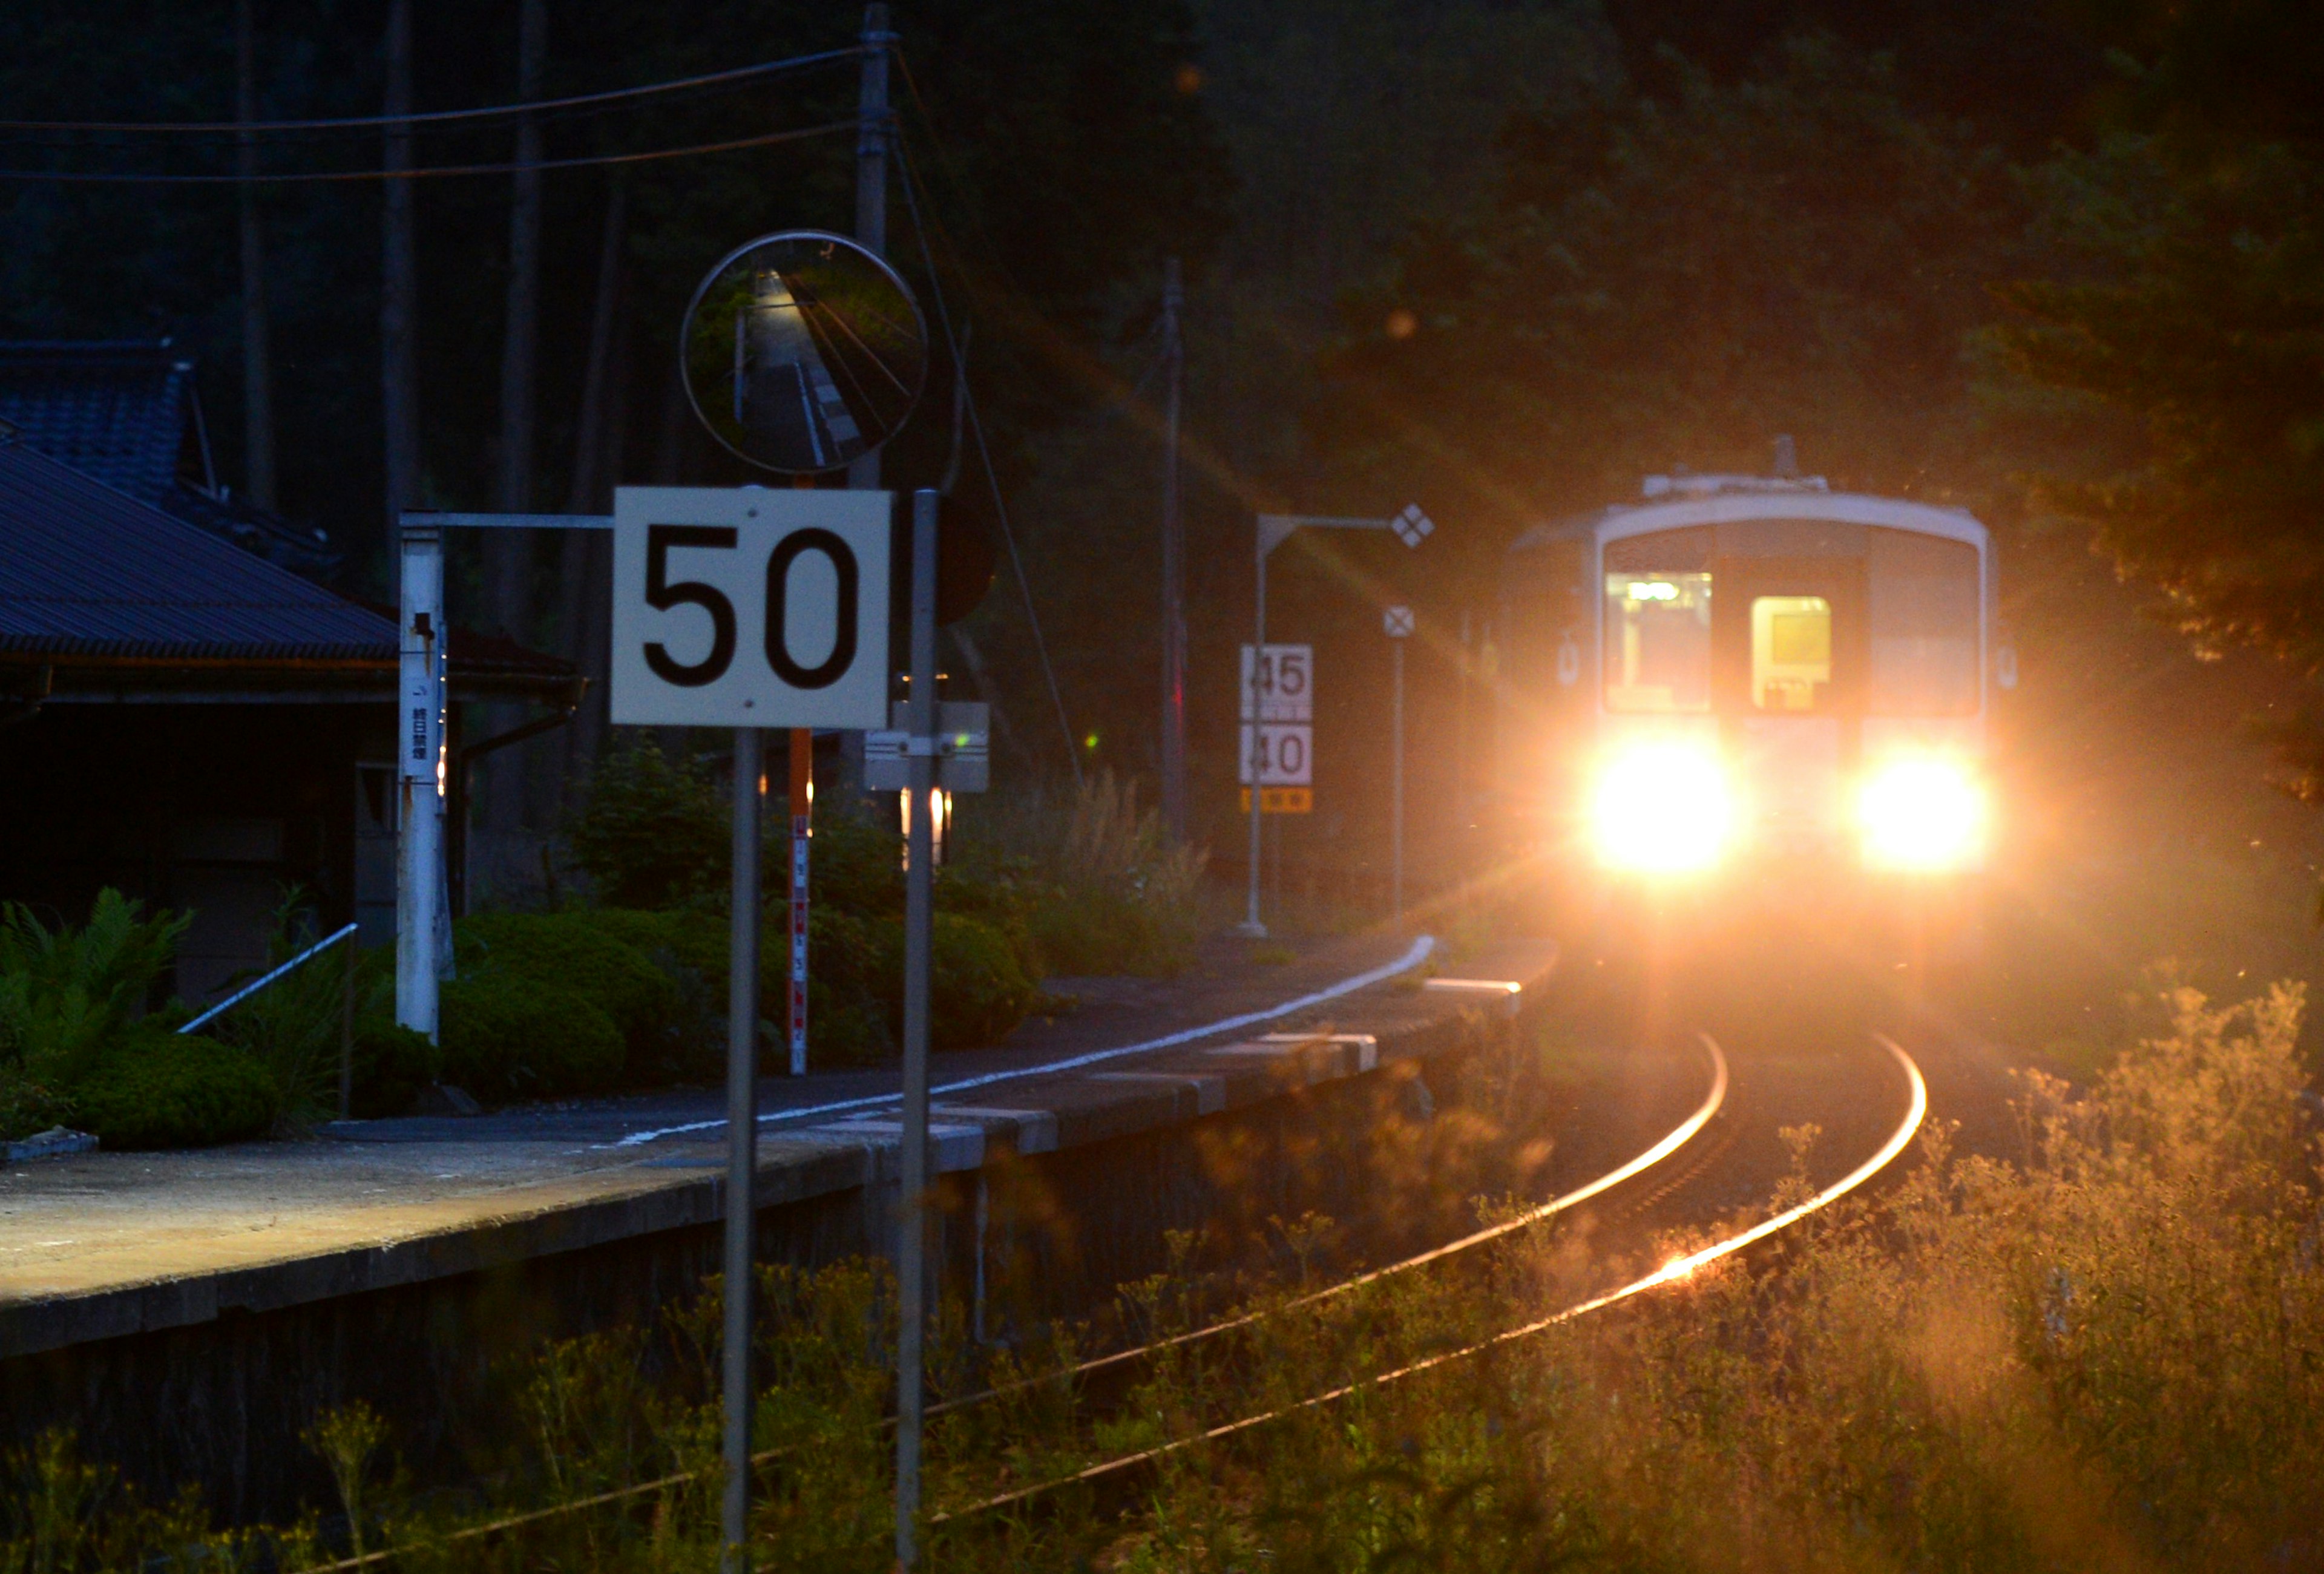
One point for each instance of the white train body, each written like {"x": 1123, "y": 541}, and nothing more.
{"x": 1740, "y": 668}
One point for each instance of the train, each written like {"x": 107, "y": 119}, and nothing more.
{"x": 1751, "y": 678}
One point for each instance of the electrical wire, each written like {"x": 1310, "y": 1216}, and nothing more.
{"x": 433, "y": 117}
{"x": 984, "y": 452}
{"x": 316, "y": 176}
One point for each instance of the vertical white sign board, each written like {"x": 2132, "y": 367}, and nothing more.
{"x": 750, "y": 607}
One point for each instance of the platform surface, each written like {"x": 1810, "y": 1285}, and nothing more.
{"x": 96, "y": 1245}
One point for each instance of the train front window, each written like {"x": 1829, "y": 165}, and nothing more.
{"x": 1658, "y": 641}
{"x": 1923, "y": 624}
{"x": 1791, "y": 652}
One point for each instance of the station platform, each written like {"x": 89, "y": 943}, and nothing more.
{"x": 99, "y": 1246}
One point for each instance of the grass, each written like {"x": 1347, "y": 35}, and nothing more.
{"x": 2103, "y": 1351}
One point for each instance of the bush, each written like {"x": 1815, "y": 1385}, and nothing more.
{"x": 566, "y": 952}
{"x": 1097, "y": 889}
{"x": 158, "y": 1088}
{"x": 652, "y": 831}
{"x": 293, "y": 1024}
{"x": 978, "y": 991}
{"x": 67, "y": 993}
{"x": 391, "y": 1065}
{"x": 27, "y": 1106}
{"x": 507, "y": 1037}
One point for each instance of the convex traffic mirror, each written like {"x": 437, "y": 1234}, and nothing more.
{"x": 802, "y": 352}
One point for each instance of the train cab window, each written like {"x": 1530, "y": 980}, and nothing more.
{"x": 1925, "y": 626}
{"x": 1658, "y": 641}
{"x": 1791, "y": 652}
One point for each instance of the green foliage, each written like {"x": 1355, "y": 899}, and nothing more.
{"x": 507, "y": 1037}
{"x": 67, "y": 993}
{"x": 28, "y": 1107}
{"x": 652, "y": 831}
{"x": 153, "y": 1087}
{"x": 293, "y": 1024}
{"x": 565, "y": 953}
{"x": 391, "y": 1065}
{"x": 977, "y": 991}
{"x": 1119, "y": 897}
{"x": 1675, "y": 279}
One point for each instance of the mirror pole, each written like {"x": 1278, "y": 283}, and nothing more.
{"x": 919, "y": 901}
{"x": 741, "y": 1152}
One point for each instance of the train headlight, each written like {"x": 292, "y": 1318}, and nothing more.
{"x": 1922, "y": 812}
{"x": 1663, "y": 808}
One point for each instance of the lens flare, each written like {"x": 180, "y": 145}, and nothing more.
{"x": 1923, "y": 813}
{"x": 1663, "y": 808}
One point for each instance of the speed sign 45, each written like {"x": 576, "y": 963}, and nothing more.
{"x": 748, "y": 607}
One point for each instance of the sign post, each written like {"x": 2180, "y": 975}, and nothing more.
{"x": 802, "y": 802}
{"x": 1396, "y": 621}
{"x": 1411, "y": 526}
{"x": 750, "y": 609}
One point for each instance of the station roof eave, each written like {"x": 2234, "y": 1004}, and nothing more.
{"x": 104, "y": 596}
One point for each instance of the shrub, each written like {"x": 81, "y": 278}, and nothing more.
{"x": 507, "y": 1037}
{"x": 652, "y": 831}
{"x": 293, "y": 1024}
{"x": 1119, "y": 897}
{"x": 157, "y": 1088}
{"x": 391, "y": 1065}
{"x": 66, "y": 993}
{"x": 27, "y": 1106}
{"x": 977, "y": 991}
{"x": 566, "y": 952}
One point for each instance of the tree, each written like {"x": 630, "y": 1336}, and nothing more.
{"x": 2169, "y": 361}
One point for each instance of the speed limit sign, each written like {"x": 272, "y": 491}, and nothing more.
{"x": 747, "y": 607}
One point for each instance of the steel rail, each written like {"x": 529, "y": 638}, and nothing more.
{"x": 1678, "y": 1268}
{"x": 1678, "y": 1137}
{"x": 1664, "y": 1147}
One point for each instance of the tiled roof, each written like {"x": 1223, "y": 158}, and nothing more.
{"x": 87, "y": 570}
{"x": 112, "y": 408}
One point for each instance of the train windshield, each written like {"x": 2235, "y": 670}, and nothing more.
{"x": 1923, "y": 624}
{"x": 1790, "y": 651}
{"x": 1658, "y": 641}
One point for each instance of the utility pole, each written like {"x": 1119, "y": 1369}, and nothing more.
{"x": 871, "y": 175}
{"x": 399, "y": 279}
{"x": 508, "y": 554}
{"x": 257, "y": 370}
{"x": 1174, "y": 564}
{"x": 919, "y": 900}
{"x": 1397, "y": 624}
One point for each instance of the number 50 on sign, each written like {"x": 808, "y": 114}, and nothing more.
{"x": 744, "y": 607}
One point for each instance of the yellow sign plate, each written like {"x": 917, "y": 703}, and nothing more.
{"x": 1281, "y": 800}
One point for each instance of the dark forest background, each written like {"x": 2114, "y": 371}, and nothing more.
{"x": 2057, "y": 262}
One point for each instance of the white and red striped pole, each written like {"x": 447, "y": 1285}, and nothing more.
{"x": 802, "y": 819}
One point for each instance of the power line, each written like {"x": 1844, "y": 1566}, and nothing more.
{"x": 434, "y": 117}
{"x": 984, "y": 452}
{"x": 109, "y": 178}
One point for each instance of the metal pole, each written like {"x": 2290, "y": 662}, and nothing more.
{"x": 741, "y": 1151}
{"x": 419, "y": 776}
{"x": 1250, "y": 927}
{"x": 1173, "y": 565}
{"x": 1396, "y": 786}
{"x": 802, "y": 799}
{"x": 872, "y": 176}
{"x": 919, "y": 895}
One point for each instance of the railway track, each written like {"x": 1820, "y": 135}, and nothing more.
{"x": 1635, "y": 1188}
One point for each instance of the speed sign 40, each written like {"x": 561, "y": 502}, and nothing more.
{"x": 746, "y": 607}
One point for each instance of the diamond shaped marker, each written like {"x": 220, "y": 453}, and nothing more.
{"x": 1398, "y": 622}
{"x": 1412, "y": 527}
